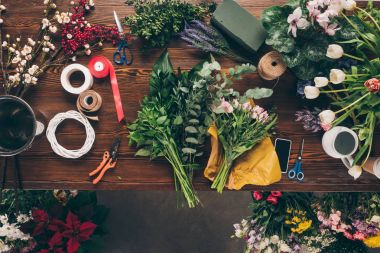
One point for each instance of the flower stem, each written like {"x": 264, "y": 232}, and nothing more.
{"x": 370, "y": 17}
{"x": 342, "y": 90}
{"x": 353, "y": 57}
{"x": 221, "y": 178}
{"x": 354, "y": 103}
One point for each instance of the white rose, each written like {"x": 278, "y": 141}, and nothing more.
{"x": 355, "y": 171}
{"x": 311, "y": 92}
{"x": 321, "y": 81}
{"x": 327, "y": 116}
{"x": 337, "y": 76}
{"x": 349, "y": 5}
{"x": 334, "y": 51}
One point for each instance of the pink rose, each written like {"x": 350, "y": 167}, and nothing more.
{"x": 272, "y": 199}
{"x": 257, "y": 195}
{"x": 276, "y": 193}
{"x": 373, "y": 85}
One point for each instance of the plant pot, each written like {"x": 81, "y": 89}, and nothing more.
{"x": 18, "y": 125}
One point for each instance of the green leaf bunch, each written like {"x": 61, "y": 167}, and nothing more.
{"x": 156, "y": 22}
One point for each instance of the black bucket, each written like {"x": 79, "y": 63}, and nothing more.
{"x": 17, "y": 125}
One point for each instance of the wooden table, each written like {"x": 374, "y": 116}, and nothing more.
{"x": 41, "y": 168}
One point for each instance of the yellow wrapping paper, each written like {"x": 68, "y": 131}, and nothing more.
{"x": 258, "y": 166}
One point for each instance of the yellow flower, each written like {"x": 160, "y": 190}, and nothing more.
{"x": 303, "y": 226}
{"x": 373, "y": 242}
{"x": 288, "y": 222}
{"x": 288, "y": 210}
{"x": 296, "y": 219}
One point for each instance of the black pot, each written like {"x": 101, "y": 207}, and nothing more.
{"x": 17, "y": 125}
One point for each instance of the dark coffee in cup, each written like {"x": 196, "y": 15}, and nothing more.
{"x": 17, "y": 125}
{"x": 345, "y": 143}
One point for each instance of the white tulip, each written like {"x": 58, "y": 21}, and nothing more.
{"x": 349, "y": 5}
{"x": 321, "y": 81}
{"x": 355, "y": 171}
{"x": 327, "y": 116}
{"x": 334, "y": 51}
{"x": 311, "y": 92}
{"x": 337, "y": 76}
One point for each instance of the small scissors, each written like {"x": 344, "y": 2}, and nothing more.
{"x": 121, "y": 57}
{"x": 109, "y": 161}
{"x": 296, "y": 173}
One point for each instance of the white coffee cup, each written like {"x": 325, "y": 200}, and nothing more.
{"x": 341, "y": 143}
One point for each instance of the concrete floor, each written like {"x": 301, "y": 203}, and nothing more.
{"x": 149, "y": 222}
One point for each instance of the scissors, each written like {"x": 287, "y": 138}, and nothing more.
{"x": 109, "y": 161}
{"x": 120, "y": 55}
{"x": 296, "y": 173}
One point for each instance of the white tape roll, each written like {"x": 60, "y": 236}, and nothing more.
{"x": 68, "y": 71}
{"x": 57, "y": 148}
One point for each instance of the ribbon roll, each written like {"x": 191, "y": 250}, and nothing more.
{"x": 101, "y": 67}
{"x": 89, "y": 103}
{"x": 68, "y": 71}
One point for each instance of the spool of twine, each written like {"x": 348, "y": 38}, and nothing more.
{"x": 271, "y": 66}
{"x": 89, "y": 103}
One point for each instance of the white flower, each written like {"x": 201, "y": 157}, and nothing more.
{"x": 337, "y": 76}
{"x": 375, "y": 219}
{"x": 11, "y": 49}
{"x": 285, "y": 248}
{"x": 26, "y": 50}
{"x": 1, "y": 21}
{"x": 74, "y": 58}
{"x": 86, "y": 46}
{"x": 100, "y": 44}
{"x": 53, "y": 6}
{"x": 4, "y": 44}
{"x": 334, "y": 51}
{"x": 72, "y": 2}
{"x": 66, "y": 20}
{"x": 31, "y": 42}
{"x": 53, "y": 29}
{"x": 47, "y": 37}
{"x": 34, "y": 80}
{"x": 295, "y": 21}
{"x": 28, "y": 57}
{"x": 349, "y": 5}
{"x": 45, "y": 23}
{"x": 69, "y": 36}
{"x": 16, "y": 60}
{"x": 327, "y": 116}
{"x": 91, "y": 3}
{"x": 4, "y": 247}
{"x": 4, "y": 219}
{"x": 2, "y": 8}
{"x": 46, "y": 2}
{"x": 27, "y": 78}
{"x": 23, "y": 62}
{"x": 355, "y": 171}
{"x": 274, "y": 239}
{"x": 88, "y": 52}
{"x": 321, "y": 81}
{"x": 23, "y": 218}
{"x": 46, "y": 49}
{"x": 311, "y": 92}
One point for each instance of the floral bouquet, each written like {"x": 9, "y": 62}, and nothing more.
{"x": 23, "y": 62}
{"x": 59, "y": 221}
{"x": 240, "y": 127}
{"x": 354, "y": 215}
{"x": 279, "y": 223}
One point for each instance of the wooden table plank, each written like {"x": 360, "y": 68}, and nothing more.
{"x": 42, "y": 169}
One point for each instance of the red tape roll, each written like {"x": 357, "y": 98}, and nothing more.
{"x": 101, "y": 67}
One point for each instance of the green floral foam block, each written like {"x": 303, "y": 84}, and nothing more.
{"x": 239, "y": 25}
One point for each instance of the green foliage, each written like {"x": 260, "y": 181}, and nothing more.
{"x": 156, "y": 22}
{"x": 305, "y": 55}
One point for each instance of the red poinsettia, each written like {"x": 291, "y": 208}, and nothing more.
{"x": 77, "y": 232}
{"x": 41, "y": 217}
{"x": 54, "y": 244}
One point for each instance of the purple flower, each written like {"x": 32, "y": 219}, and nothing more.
{"x": 301, "y": 87}
{"x": 309, "y": 119}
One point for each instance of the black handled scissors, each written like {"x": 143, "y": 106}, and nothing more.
{"x": 122, "y": 52}
{"x": 296, "y": 172}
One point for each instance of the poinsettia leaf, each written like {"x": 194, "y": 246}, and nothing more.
{"x": 86, "y": 229}
{"x": 72, "y": 245}
{"x": 294, "y": 58}
{"x": 258, "y": 93}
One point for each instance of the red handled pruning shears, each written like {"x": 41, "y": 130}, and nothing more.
{"x": 109, "y": 161}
